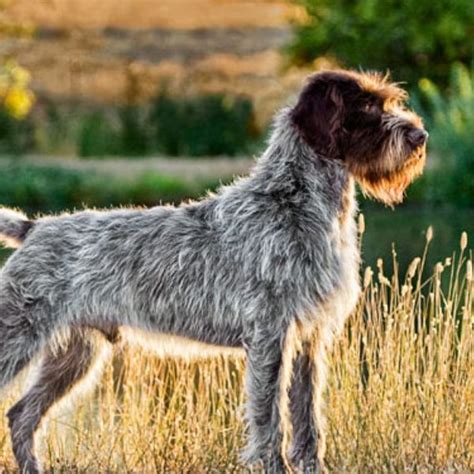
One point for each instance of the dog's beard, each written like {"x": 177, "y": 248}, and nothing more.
{"x": 389, "y": 186}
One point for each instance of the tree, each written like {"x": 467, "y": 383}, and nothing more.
{"x": 411, "y": 38}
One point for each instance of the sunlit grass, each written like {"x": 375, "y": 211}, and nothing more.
{"x": 400, "y": 395}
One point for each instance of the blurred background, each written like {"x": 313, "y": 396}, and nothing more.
{"x": 140, "y": 102}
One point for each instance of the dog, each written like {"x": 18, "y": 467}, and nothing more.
{"x": 268, "y": 264}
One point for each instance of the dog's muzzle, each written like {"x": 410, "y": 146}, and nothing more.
{"x": 417, "y": 137}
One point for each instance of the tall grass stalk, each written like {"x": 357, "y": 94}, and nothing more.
{"x": 400, "y": 395}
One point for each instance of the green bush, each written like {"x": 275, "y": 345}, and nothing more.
{"x": 134, "y": 135}
{"x": 38, "y": 188}
{"x": 450, "y": 121}
{"x": 97, "y": 136}
{"x": 413, "y": 38}
{"x": 16, "y": 136}
{"x": 53, "y": 189}
{"x": 55, "y": 129}
{"x": 203, "y": 125}
{"x": 207, "y": 125}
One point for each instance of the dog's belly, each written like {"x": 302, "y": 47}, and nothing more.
{"x": 167, "y": 345}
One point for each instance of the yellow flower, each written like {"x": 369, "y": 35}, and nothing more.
{"x": 14, "y": 92}
{"x": 18, "y": 102}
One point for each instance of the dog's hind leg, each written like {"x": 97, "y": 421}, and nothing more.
{"x": 22, "y": 336}
{"x": 64, "y": 367}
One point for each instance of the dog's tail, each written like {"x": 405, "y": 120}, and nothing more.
{"x": 14, "y": 227}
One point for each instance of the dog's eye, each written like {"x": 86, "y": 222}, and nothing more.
{"x": 371, "y": 108}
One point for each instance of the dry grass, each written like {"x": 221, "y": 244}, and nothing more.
{"x": 400, "y": 396}
{"x": 183, "y": 14}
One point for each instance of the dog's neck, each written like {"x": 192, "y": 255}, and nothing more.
{"x": 291, "y": 168}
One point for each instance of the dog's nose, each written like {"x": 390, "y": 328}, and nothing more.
{"x": 417, "y": 137}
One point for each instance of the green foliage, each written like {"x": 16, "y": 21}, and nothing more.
{"x": 15, "y": 135}
{"x": 53, "y": 189}
{"x": 39, "y": 187}
{"x": 207, "y": 125}
{"x": 413, "y": 38}
{"x": 451, "y": 127}
{"x": 203, "y": 125}
{"x": 134, "y": 133}
{"x": 55, "y": 130}
{"x": 96, "y": 136}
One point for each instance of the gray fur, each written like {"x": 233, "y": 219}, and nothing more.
{"x": 305, "y": 431}
{"x": 238, "y": 268}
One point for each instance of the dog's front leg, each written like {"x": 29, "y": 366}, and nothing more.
{"x": 264, "y": 356}
{"x": 269, "y": 363}
{"x": 307, "y": 382}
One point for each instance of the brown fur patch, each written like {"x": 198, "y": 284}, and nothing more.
{"x": 381, "y": 85}
{"x": 390, "y": 187}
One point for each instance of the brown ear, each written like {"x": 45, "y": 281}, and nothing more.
{"x": 319, "y": 114}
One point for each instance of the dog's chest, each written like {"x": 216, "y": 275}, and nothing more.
{"x": 350, "y": 262}
{"x": 343, "y": 300}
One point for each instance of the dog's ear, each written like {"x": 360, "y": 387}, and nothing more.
{"x": 319, "y": 113}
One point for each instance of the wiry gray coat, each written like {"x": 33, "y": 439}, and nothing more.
{"x": 269, "y": 264}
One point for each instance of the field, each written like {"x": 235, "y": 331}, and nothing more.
{"x": 148, "y": 13}
{"x": 229, "y": 46}
{"x": 400, "y": 394}
{"x": 399, "y": 398}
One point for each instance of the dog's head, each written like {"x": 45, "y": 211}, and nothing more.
{"x": 361, "y": 119}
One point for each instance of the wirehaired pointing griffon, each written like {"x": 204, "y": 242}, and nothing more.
{"x": 269, "y": 264}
